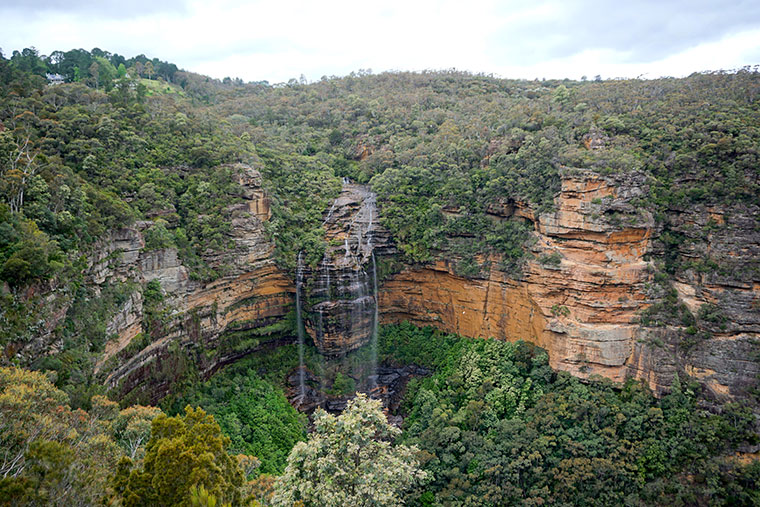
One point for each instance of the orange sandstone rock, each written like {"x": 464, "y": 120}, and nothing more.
{"x": 583, "y": 310}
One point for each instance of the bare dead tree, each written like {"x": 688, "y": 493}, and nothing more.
{"x": 20, "y": 166}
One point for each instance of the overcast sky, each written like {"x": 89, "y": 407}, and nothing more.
{"x": 276, "y": 40}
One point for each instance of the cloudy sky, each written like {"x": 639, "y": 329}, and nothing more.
{"x": 276, "y": 40}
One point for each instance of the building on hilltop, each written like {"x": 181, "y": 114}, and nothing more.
{"x": 54, "y": 79}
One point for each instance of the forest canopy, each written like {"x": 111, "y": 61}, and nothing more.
{"x": 92, "y": 142}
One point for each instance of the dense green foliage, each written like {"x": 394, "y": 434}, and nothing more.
{"x": 302, "y": 187}
{"x": 80, "y": 160}
{"x": 183, "y": 452}
{"x": 82, "y": 154}
{"x": 136, "y": 142}
{"x": 247, "y": 399}
{"x": 255, "y": 415}
{"x": 52, "y": 455}
{"x": 496, "y": 426}
{"x": 440, "y": 148}
{"x": 350, "y": 459}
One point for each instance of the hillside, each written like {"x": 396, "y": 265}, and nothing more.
{"x": 167, "y": 236}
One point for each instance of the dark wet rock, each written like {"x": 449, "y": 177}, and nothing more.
{"x": 388, "y": 386}
{"x": 340, "y": 299}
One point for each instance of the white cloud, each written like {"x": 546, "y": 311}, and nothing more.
{"x": 279, "y": 40}
{"x": 731, "y": 52}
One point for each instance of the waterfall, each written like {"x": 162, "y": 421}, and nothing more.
{"x": 375, "y": 321}
{"x": 324, "y": 294}
{"x": 369, "y": 231}
{"x": 325, "y": 280}
{"x": 356, "y": 289}
{"x": 348, "y": 312}
{"x": 301, "y": 368}
{"x": 330, "y": 213}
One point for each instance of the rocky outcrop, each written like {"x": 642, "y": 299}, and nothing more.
{"x": 717, "y": 278}
{"x": 581, "y": 295}
{"x": 577, "y": 297}
{"x": 387, "y": 384}
{"x": 340, "y": 293}
{"x": 209, "y": 324}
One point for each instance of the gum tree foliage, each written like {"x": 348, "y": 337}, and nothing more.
{"x": 52, "y": 455}
{"x": 350, "y": 459}
{"x": 496, "y": 426}
{"x": 184, "y": 452}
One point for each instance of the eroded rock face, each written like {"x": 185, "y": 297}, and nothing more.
{"x": 582, "y": 294}
{"x": 717, "y": 278}
{"x": 253, "y": 294}
{"x": 340, "y": 294}
{"x": 577, "y": 297}
{"x": 592, "y": 297}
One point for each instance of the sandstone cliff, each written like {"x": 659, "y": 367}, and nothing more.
{"x": 209, "y": 324}
{"x": 582, "y": 294}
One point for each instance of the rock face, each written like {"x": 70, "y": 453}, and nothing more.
{"x": 582, "y": 294}
{"x": 340, "y": 293}
{"x": 210, "y": 324}
{"x": 577, "y": 297}
{"x": 717, "y": 277}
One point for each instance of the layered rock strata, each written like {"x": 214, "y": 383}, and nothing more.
{"x": 210, "y": 324}
{"x": 717, "y": 277}
{"x": 581, "y": 295}
{"x": 340, "y": 291}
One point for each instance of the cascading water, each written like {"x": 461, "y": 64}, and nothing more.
{"x": 344, "y": 313}
{"x": 301, "y": 367}
{"x": 369, "y": 230}
{"x": 358, "y": 293}
{"x": 321, "y": 319}
{"x": 330, "y": 213}
{"x": 375, "y": 320}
